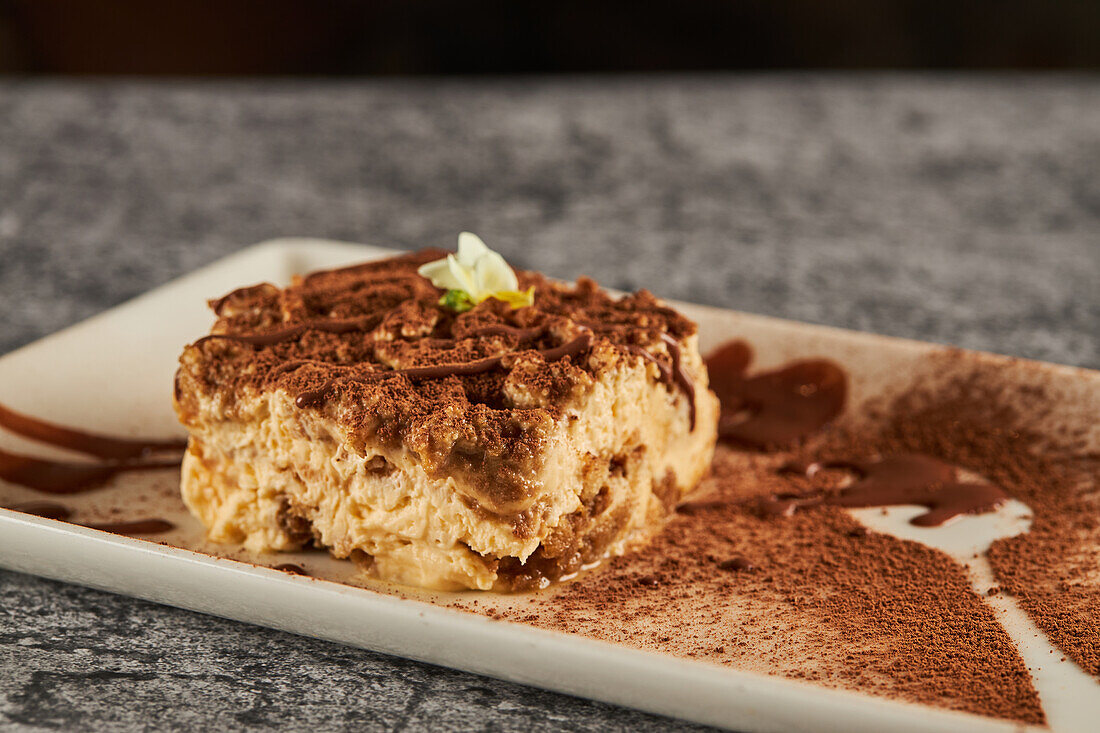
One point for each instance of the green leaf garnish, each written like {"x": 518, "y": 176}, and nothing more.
{"x": 457, "y": 300}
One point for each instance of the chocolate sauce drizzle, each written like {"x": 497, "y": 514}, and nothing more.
{"x": 138, "y": 526}
{"x": 44, "y": 509}
{"x": 50, "y": 510}
{"x": 328, "y": 325}
{"x": 907, "y": 478}
{"x": 677, "y": 374}
{"x": 349, "y": 325}
{"x": 501, "y": 329}
{"x": 91, "y": 444}
{"x": 674, "y": 375}
{"x": 318, "y": 396}
{"x": 289, "y": 567}
{"x": 217, "y": 304}
{"x": 774, "y": 408}
{"x": 67, "y": 477}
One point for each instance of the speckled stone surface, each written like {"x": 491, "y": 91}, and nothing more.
{"x": 961, "y": 210}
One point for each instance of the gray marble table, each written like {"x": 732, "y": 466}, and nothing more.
{"x": 962, "y": 210}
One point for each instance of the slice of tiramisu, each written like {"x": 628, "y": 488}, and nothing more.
{"x": 445, "y": 421}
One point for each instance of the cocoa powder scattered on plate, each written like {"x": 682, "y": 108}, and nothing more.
{"x": 833, "y": 603}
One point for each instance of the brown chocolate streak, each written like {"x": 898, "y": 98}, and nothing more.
{"x": 45, "y": 509}
{"x": 676, "y": 374}
{"x": 774, "y": 408}
{"x": 680, "y": 375}
{"x": 140, "y": 526}
{"x": 100, "y": 446}
{"x": 574, "y": 348}
{"x": 906, "y": 478}
{"x": 348, "y": 325}
{"x": 50, "y": 510}
{"x": 289, "y": 567}
{"x": 523, "y": 334}
{"x": 217, "y": 304}
{"x": 331, "y": 325}
{"x": 65, "y": 477}
{"x": 737, "y": 564}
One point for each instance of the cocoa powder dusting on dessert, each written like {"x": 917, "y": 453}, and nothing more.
{"x": 473, "y": 392}
{"x": 382, "y": 316}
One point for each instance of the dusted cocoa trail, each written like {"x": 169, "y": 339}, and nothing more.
{"x": 1003, "y": 424}
{"x": 777, "y": 408}
{"x": 817, "y": 596}
{"x": 812, "y": 597}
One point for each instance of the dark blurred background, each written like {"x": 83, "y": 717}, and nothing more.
{"x": 402, "y": 37}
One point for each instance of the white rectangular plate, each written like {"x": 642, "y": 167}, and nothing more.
{"x": 113, "y": 373}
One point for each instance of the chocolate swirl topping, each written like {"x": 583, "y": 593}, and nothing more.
{"x": 573, "y": 350}
{"x": 373, "y": 343}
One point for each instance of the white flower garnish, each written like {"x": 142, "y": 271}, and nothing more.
{"x": 475, "y": 273}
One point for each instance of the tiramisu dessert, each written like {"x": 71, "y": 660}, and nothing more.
{"x": 447, "y": 422}
{"x": 443, "y": 420}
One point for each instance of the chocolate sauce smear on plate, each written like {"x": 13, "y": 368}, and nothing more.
{"x": 289, "y": 567}
{"x": 775, "y": 408}
{"x": 907, "y": 478}
{"x": 44, "y": 509}
{"x": 91, "y": 444}
{"x": 67, "y": 477}
{"x": 51, "y": 510}
{"x": 136, "y": 527}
